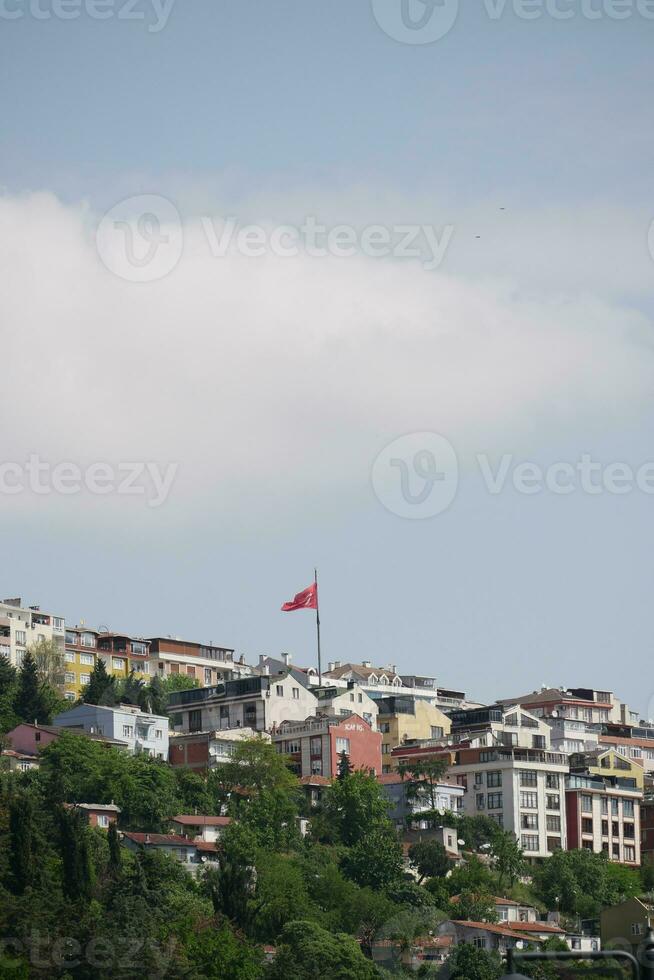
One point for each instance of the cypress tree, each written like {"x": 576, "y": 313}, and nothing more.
{"x": 344, "y": 765}
{"x": 76, "y": 856}
{"x": 115, "y": 861}
{"x": 30, "y": 704}
{"x": 101, "y": 688}
{"x": 21, "y": 843}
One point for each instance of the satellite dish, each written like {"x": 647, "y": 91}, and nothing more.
{"x": 461, "y": 842}
{"x": 555, "y": 714}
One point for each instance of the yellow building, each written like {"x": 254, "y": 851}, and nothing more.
{"x": 608, "y": 762}
{"x": 404, "y": 719}
{"x": 121, "y": 654}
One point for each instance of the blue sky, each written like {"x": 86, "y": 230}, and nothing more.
{"x": 274, "y": 384}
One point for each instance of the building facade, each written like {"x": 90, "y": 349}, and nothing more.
{"x": 523, "y": 789}
{"x": 206, "y": 750}
{"x": 408, "y": 719}
{"x": 205, "y": 663}
{"x": 261, "y": 703}
{"x": 603, "y": 815}
{"x": 21, "y": 626}
{"x": 315, "y": 745}
{"x": 142, "y": 733}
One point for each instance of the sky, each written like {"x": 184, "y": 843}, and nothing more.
{"x": 205, "y": 397}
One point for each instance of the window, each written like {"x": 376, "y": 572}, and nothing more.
{"x": 296, "y": 693}
{"x": 316, "y": 746}
{"x": 529, "y": 821}
{"x": 279, "y": 690}
{"x": 614, "y": 807}
{"x": 494, "y": 778}
{"x": 615, "y": 850}
{"x": 386, "y": 748}
{"x": 87, "y": 659}
{"x": 586, "y": 803}
{"x": 615, "y": 828}
{"x": 553, "y": 843}
{"x": 342, "y": 745}
{"x": 586, "y": 825}
{"x": 605, "y": 805}
{"x": 190, "y": 670}
{"x": 479, "y": 942}
{"x": 628, "y": 831}
{"x": 627, "y": 808}
{"x": 636, "y": 928}
{"x": 143, "y": 666}
{"x": 71, "y": 638}
{"x": 529, "y": 801}
{"x": 87, "y": 640}
{"x": 552, "y": 780}
{"x": 103, "y": 820}
{"x": 552, "y": 822}
{"x": 504, "y": 915}
{"x": 57, "y": 623}
{"x": 494, "y": 801}
{"x": 69, "y": 678}
{"x": 529, "y": 842}
{"x": 128, "y": 730}
{"x": 385, "y": 727}
{"x": 20, "y": 636}
{"x": 528, "y": 777}
{"x": 158, "y": 733}
{"x": 553, "y": 801}
{"x": 629, "y": 852}
{"x": 360, "y": 698}
{"x": 575, "y": 942}
{"x": 480, "y": 801}
{"x": 207, "y": 675}
{"x": 479, "y": 779}
{"x": 85, "y": 678}
{"x": 70, "y": 657}
{"x": 117, "y": 663}
{"x": 195, "y": 720}
{"x": 538, "y": 741}
{"x": 436, "y": 731}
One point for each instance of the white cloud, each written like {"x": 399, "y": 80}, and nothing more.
{"x": 293, "y": 373}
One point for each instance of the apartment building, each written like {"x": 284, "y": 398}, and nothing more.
{"x": 603, "y": 815}
{"x": 21, "y": 626}
{"x": 316, "y": 744}
{"x": 403, "y": 719}
{"x": 123, "y": 654}
{"x": 260, "y": 702}
{"x": 80, "y": 655}
{"x": 523, "y": 789}
{"x": 448, "y": 794}
{"x": 337, "y": 701}
{"x": 140, "y": 731}
{"x": 634, "y": 741}
{"x": 647, "y": 829}
{"x": 500, "y": 725}
{"x": 206, "y": 750}
{"x": 608, "y": 762}
{"x": 204, "y": 662}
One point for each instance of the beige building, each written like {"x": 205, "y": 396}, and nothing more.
{"x": 22, "y": 626}
{"x": 405, "y": 719}
{"x": 625, "y": 925}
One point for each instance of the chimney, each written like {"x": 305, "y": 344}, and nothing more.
{"x": 330, "y": 666}
{"x": 262, "y": 657}
{"x": 287, "y": 657}
{"x": 367, "y": 663}
{"x": 337, "y": 664}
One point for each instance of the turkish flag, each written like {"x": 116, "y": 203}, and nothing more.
{"x": 308, "y": 599}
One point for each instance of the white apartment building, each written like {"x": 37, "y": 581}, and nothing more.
{"x": 499, "y": 725}
{"x": 140, "y": 731}
{"x": 21, "y": 626}
{"x": 261, "y": 703}
{"x": 336, "y": 701}
{"x": 523, "y": 789}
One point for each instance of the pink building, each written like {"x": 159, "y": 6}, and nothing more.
{"x": 316, "y": 744}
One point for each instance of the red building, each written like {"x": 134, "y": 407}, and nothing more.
{"x": 315, "y": 745}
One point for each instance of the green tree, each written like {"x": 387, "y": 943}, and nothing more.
{"x": 375, "y": 860}
{"x": 474, "y": 907}
{"x": 22, "y": 849}
{"x": 216, "y": 952}
{"x": 50, "y": 663}
{"x": 281, "y": 896}
{"x": 351, "y": 806}
{"x": 231, "y": 885}
{"x": 31, "y": 702}
{"x": 581, "y": 882}
{"x": 101, "y": 688}
{"x": 468, "y": 962}
{"x": 472, "y": 876}
{"x": 78, "y": 873}
{"x": 8, "y": 684}
{"x": 507, "y": 856}
{"x": 131, "y": 690}
{"x": 344, "y": 765}
{"x": 423, "y": 777}
{"x": 306, "y": 951}
{"x": 430, "y": 858}
{"x": 115, "y": 855}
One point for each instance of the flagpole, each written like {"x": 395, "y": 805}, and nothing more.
{"x": 315, "y": 579}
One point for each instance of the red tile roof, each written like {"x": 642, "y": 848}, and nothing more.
{"x": 158, "y": 840}
{"x": 497, "y": 930}
{"x": 537, "y": 927}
